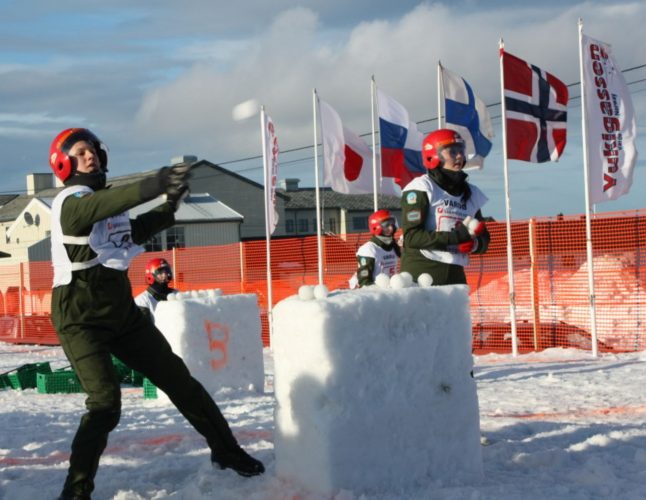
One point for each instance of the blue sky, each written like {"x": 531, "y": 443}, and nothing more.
{"x": 159, "y": 79}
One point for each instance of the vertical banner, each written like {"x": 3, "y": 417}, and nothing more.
{"x": 270, "y": 159}
{"x": 610, "y": 123}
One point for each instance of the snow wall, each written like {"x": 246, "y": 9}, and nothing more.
{"x": 217, "y": 336}
{"x": 374, "y": 391}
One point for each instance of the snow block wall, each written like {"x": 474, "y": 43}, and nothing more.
{"x": 374, "y": 391}
{"x": 217, "y": 336}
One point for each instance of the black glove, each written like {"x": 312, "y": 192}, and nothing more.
{"x": 169, "y": 180}
{"x": 460, "y": 234}
{"x": 482, "y": 243}
{"x": 176, "y": 197}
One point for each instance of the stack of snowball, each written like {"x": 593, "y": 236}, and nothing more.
{"x": 195, "y": 294}
{"x": 396, "y": 282}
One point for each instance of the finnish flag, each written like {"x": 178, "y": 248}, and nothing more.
{"x": 467, "y": 114}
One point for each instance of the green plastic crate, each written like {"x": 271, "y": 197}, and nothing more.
{"x": 150, "y": 389}
{"x": 64, "y": 381}
{"x": 136, "y": 379}
{"x": 126, "y": 374}
{"x": 123, "y": 371}
{"x": 25, "y": 376}
{"x": 5, "y": 383}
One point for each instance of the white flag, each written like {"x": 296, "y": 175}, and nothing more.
{"x": 610, "y": 123}
{"x": 270, "y": 164}
{"x": 347, "y": 159}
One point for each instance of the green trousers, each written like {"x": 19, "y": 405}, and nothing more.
{"x": 93, "y": 322}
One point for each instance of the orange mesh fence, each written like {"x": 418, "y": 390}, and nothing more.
{"x": 552, "y": 304}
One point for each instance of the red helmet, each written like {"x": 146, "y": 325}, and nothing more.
{"x": 154, "y": 267}
{"x": 59, "y": 151}
{"x": 378, "y": 220}
{"x": 434, "y": 143}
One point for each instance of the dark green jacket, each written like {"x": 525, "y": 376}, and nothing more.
{"x": 101, "y": 297}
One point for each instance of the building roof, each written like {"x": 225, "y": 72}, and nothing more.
{"x": 196, "y": 208}
{"x": 206, "y": 163}
{"x": 6, "y": 198}
{"x": 305, "y": 198}
{"x": 27, "y": 217}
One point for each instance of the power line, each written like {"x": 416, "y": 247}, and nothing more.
{"x": 294, "y": 162}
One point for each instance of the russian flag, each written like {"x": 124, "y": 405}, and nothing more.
{"x": 401, "y": 142}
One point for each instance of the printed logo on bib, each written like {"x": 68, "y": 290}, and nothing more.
{"x": 81, "y": 194}
{"x": 363, "y": 261}
{"x": 411, "y": 198}
{"x": 119, "y": 231}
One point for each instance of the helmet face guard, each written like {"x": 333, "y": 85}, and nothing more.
{"x": 156, "y": 267}
{"x": 439, "y": 140}
{"x": 379, "y": 221}
{"x": 59, "y": 157}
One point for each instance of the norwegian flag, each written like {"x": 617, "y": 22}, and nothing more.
{"x": 536, "y": 111}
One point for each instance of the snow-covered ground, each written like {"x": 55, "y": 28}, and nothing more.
{"x": 560, "y": 425}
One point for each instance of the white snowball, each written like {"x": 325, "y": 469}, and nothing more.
{"x": 179, "y": 296}
{"x": 245, "y": 109}
{"x": 382, "y": 280}
{"x": 306, "y": 292}
{"x": 320, "y": 291}
{"x": 407, "y": 277}
{"x": 397, "y": 282}
{"x": 210, "y": 294}
{"x": 425, "y": 280}
{"x": 171, "y": 296}
{"x": 195, "y": 294}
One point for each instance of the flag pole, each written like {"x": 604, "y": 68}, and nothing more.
{"x": 588, "y": 222}
{"x": 376, "y": 180}
{"x": 316, "y": 189}
{"x": 440, "y": 93}
{"x": 510, "y": 258}
{"x": 265, "y": 169}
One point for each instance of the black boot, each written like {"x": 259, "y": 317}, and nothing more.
{"x": 240, "y": 461}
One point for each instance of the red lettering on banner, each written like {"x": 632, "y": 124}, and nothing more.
{"x": 611, "y": 124}
{"x": 606, "y": 107}
{"x": 603, "y": 93}
{"x": 608, "y": 182}
{"x": 613, "y": 163}
{"x": 594, "y": 52}
{"x": 218, "y": 335}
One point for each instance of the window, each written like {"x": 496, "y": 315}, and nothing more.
{"x": 289, "y": 226}
{"x": 154, "y": 244}
{"x": 175, "y": 238}
{"x": 360, "y": 223}
{"x": 303, "y": 226}
{"x": 331, "y": 225}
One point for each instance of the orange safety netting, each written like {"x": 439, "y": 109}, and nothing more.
{"x": 551, "y": 292}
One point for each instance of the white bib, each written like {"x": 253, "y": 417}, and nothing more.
{"x": 111, "y": 240}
